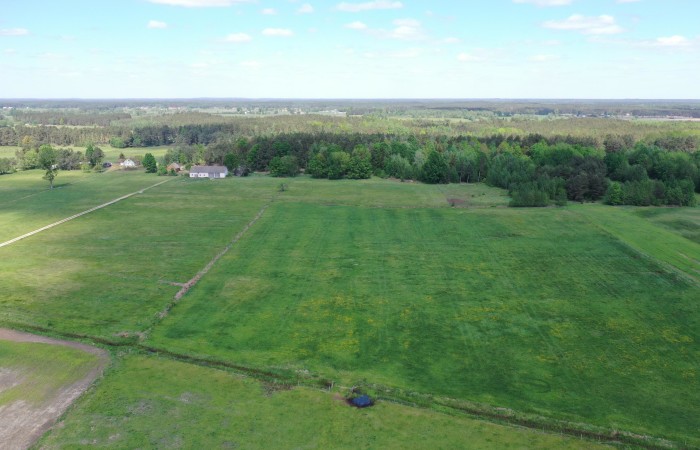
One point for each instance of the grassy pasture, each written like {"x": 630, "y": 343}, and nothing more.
{"x": 668, "y": 237}
{"x": 684, "y": 221}
{"x": 103, "y": 274}
{"x": 546, "y": 311}
{"x": 531, "y": 309}
{"x": 156, "y": 403}
{"x": 373, "y": 193}
{"x": 26, "y": 203}
{"x": 40, "y": 370}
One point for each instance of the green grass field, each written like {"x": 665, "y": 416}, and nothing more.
{"x": 26, "y": 203}
{"x": 40, "y": 370}
{"x": 104, "y": 274}
{"x": 155, "y": 403}
{"x": 528, "y": 309}
{"x": 586, "y": 314}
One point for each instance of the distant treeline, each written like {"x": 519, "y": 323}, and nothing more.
{"x": 400, "y": 107}
{"x": 537, "y": 169}
{"x": 202, "y": 128}
{"x": 57, "y": 118}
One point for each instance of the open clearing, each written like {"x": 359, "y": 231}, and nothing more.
{"x": 564, "y": 314}
{"x": 39, "y": 379}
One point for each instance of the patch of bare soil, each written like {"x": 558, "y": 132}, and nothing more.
{"x": 22, "y": 423}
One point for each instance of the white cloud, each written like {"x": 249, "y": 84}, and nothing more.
{"x": 238, "y": 38}
{"x": 628, "y": 1}
{"x": 587, "y": 25}
{"x": 14, "y": 32}
{"x": 407, "y": 29}
{"x": 269, "y": 11}
{"x": 199, "y": 3}
{"x": 250, "y": 64}
{"x": 156, "y": 24}
{"x": 451, "y": 40}
{"x": 544, "y": 58}
{"x": 278, "y": 32}
{"x": 407, "y": 23}
{"x": 404, "y": 29}
{"x": 545, "y": 3}
{"x": 468, "y": 57}
{"x": 356, "y": 26}
{"x": 673, "y": 41}
{"x": 407, "y": 53}
{"x": 306, "y": 8}
{"x": 368, "y": 6}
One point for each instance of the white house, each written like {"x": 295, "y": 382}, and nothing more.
{"x": 208, "y": 172}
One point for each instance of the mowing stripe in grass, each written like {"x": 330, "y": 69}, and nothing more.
{"x": 75, "y": 216}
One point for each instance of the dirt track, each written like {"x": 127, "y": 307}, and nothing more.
{"x": 22, "y": 423}
{"x": 75, "y": 216}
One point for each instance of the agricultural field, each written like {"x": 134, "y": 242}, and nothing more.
{"x": 108, "y": 273}
{"x": 148, "y": 402}
{"x": 430, "y": 295}
{"x": 419, "y": 300}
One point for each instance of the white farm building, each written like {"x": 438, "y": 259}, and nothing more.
{"x": 208, "y": 172}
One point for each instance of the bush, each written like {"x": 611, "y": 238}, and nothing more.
{"x": 338, "y": 164}
{"x": 360, "y": 166}
{"x": 615, "y": 195}
{"x": 285, "y": 166}
{"x": 398, "y": 167}
{"x": 435, "y": 170}
{"x": 149, "y": 162}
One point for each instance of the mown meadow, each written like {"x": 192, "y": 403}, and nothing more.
{"x": 149, "y": 402}
{"x": 537, "y": 311}
{"x": 585, "y": 314}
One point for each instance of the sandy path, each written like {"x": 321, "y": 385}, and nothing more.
{"x": 75, "y": 216}
{"x": 22, "y": 423}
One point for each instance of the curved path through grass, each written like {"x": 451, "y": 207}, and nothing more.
{"x": 40, "y": 378}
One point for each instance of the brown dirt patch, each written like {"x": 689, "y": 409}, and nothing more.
{"x": 22, "y": 423}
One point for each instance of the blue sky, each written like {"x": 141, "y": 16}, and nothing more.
{"x": 350, "y": 49}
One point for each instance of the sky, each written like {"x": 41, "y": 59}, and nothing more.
{"x": 573, "y": 49}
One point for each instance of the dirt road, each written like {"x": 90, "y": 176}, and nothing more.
{"x": 75, "y": 216}
{"x": 22, "y": 423}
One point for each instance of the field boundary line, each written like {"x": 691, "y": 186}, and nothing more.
{"x": 185, "y": 287}
{"x": 668, "y": 266}
{"x": 190, "y": 284}
{"x": 75, "y": 216}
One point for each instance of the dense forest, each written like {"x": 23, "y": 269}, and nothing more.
{"x": 539, "y": 161}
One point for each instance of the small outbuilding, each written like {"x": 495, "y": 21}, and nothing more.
{"x": 128, "y": 164}
{"x": 174, "y": 167}
{"x": 210, "y": 172}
